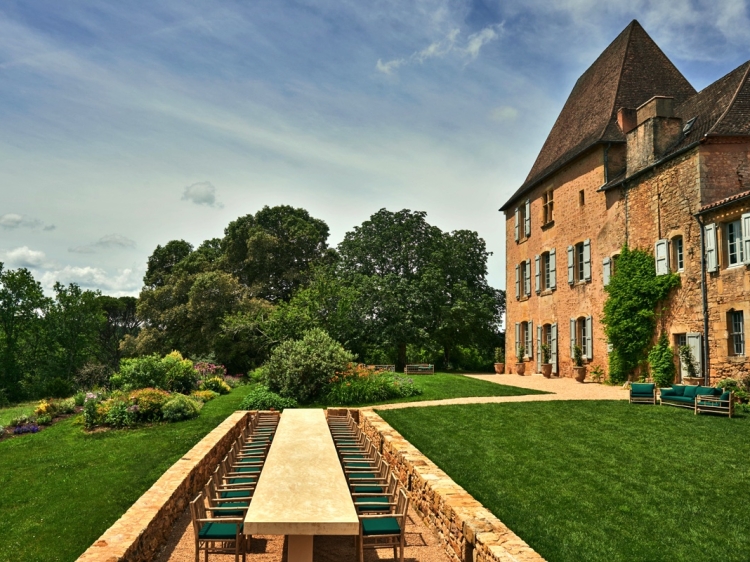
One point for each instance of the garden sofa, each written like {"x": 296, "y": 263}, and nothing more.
{"x": 698, "y": 398}
{"x": 642, "y": 393}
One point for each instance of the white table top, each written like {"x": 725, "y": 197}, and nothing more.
{"x": 302, "y": 489}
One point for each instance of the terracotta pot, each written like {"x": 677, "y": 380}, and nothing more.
{"x": 547, "y": 370}
{"x": 499, "y": 368}
{"x": 579, "y": 373}
{"x": 520, "y": 368}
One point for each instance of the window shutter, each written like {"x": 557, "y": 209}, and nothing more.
{"x": 746, "y": 236}
{"x": 518, "y": 282}
{"x": 527, "y": 219}
{"x": 530, "y": 339}
{"x": 589, "y": 338}
{"x": 516, "y": 229}
{"x": 538, "y": 349}
{"x": 572, "y": 337}
{"x": 571, "y": 261}
{"x": 537, "y": 275}
{"x": 552, "y": 267}
{"x": 553, "y": 346}
{"x": 518, "y": 338}
{"x": 527, "y": 278}
{"x": 694, "y": 343}
{"x": 712, "y": 263}
{"x": 661, "y": 254}
{"x": 606, "y": 270}
{"x": 587, "y": 259}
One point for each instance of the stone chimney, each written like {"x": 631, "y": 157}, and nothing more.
{"x": 655, "y": 130}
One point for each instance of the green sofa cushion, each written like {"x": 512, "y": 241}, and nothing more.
{"x": 383, "y": 526}
{"x": 680, "y": 399}
{"x": 642, "y": 394}
{"x": 218, "y": 531}
{"x": 725, "y": 395}
{"x": 678, "y": 389}
{"x": 641, "y": 388}
{"x": 705, "y": 391}
{"x": 691, "y": 391}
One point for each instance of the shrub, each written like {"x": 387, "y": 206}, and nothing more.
{"x": 91, "y": 409}
{"x": 116, "y": 412}
{"x": 29, "y": 428}
{"x": 216, "y": 384}
{"x": 499, "y": 355}
{"x": 180, "y": 407}
{"x": 301, "y": 369}
{"x": 360, "y": 385}
{"x": 79, "y": 398}
{"x": 686, "y": 356}
{"x": 207, "y": 369}
{"x": 204, "y": 395}
{"x": 45, "y": 419}
{"x": 260, "y": 398}
{"x": 661, "y": 359}
{"x": 2, "y": 431}
{"x": 179, "y": 373}
{"x": 233, "y": 382}
{"x": 741, "y": 388}
{"x": 92, "y": 375}
{"x": 21, "y": 420}
{"x": 149, "y": 402}
{"x": 171, "y": 372}
{"x": 45, "y": 408}
{"x": 67, "y": 406}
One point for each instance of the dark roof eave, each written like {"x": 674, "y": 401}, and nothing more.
{"x": 721, "y": 204}
{"x": 525, "y": 188}
{"x": 606, "y": 187}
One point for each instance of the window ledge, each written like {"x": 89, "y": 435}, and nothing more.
{"x": 547, "y": 225}
{"x": 546, "y": 292}
{"x": 523, "y": 298}
{"x": 737, "y": 358}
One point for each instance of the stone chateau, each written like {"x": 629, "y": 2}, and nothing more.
{"x": 636, "y": 156}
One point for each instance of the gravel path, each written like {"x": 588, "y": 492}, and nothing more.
{"x": 562, "y": 389}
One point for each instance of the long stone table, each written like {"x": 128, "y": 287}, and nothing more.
{"x": 302, "y": 490}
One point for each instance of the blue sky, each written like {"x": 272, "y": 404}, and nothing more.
{"x": 128, "y": 124}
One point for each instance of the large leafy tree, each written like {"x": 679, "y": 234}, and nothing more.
{"x": 121, "y": 320}
{"x": 272, "y": 251}
{"x": 22, "y": 309}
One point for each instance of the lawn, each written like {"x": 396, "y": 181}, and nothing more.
{"x": 602, "y": 481}
{"x": 446, "y": 385}
{"x": 7, "y": 414}
{"x": 62, "y": 488}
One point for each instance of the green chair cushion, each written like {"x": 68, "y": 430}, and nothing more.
{"x": 383, "y": 526}
{"x": 725, "y": 395}
{"x": 678, "y": 389}
{"x": 362, "y": 476}
{"x": 358, "y": 465}
{"x": 691, "y": 391}
{"x": 642, "y": 394}
{"x": 368, "y": 489}
{"x": 248, "y": 469}
{"x": 642, "y": 388}
{"x": 241, "y": 480}
{"x": 218, "y": 531}
{"x": 228, "y": 513}
{"x": 235, "y": 494}
{"x": 380, "y": 499}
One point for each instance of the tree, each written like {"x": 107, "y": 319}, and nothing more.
{"x": 272, "y": 251}
{"x": 163, "y": 260}
{"x": 120, "y": 321}
{"x": 22, "y": 308}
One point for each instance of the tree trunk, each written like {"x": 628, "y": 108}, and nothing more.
{"x": 401, "y": 361}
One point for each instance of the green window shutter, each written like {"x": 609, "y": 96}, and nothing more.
{"x": 537, "y": 275}
{"x": 587, "y": 259}
{"x": 712, "y": 258}
{"x": 661, "y": 255}
{"x": 552, "y": 267}
{"x": 572, "y": 338}
{"x": 518, "y": 337}
{"x": 606, "y": 270}
{"x": 518, "y": 281}
{"x": 553, "y": 346}
{"x": 746, "y": 237}
{"x": 538, "y": 349}
{"x": 571, "y": 262}
{"x": 527, "y": 219}
{"x": 516, "y": 227}
{"x": 530, "y": 339}
{"x": 589, "y": 338}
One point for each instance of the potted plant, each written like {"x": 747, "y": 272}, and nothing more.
{"x": 546, "y": 365}
{"x": 579, "y": 369}
{"x": 691, "y": 366}
{"x": 520, "y": 365}
{"x": 499, "y": 360}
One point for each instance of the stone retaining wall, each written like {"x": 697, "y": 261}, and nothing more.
{"x": 469, "y": 531}
{"x": 144, "y": 528}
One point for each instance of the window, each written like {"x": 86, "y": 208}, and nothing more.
{"x": 581, "y": 198}
{"x": 545, "y": 271}
{"x": 523, "y": 279}
{"x": 736, "y": 332}
{"x": 678, "y": 258}
{"x": 735, "y": 247}
{"x": 523, "y": 221}
{"x": 548, "y": 206}
{"x": 579, "y": 262}
{"x": 581, "y": 335}
{"x": 524, "y": 337}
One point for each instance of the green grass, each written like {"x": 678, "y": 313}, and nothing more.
{"x": 441, "y": 386}
{"x": 7, "y": 414}
{"x": 62, "y": 488}
{"x": 594, "y": 481}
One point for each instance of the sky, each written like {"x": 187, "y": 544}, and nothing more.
{"x": 127, "y": 124}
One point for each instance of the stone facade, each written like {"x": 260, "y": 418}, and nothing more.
{"x": 139, "y": 534}
{"x": 650, "y": 181}
{"x": 469, "y": 531}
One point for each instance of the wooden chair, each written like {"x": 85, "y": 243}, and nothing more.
{"x": 217, "y": 535}
{"x": 385, "y": 530}
{"x": 374, "y": 502}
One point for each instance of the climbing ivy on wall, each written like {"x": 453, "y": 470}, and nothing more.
{"x": 630, "y": 310}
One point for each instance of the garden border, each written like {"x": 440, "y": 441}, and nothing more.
{"x": 144, "y": 528}
{"x": 468, "y": 530}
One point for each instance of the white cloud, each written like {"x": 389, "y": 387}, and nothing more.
{"x": 504, "y": 113}
{"x": 108, "y": 242}
{"x": 440, "y": 49}
{"x": 26, "y": 257}
{"x": 10, "y": 221}
{"x": 124, "y": 282}
{"x": 202, "y": 193}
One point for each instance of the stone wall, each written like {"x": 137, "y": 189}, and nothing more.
{"x": 144, "y": 528}
{"x": 469, "y": 531}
